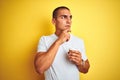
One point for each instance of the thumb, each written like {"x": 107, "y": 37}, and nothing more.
{"x": 67, "y": 30}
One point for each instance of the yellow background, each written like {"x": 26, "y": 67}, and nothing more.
{"x": 23, "y": 22}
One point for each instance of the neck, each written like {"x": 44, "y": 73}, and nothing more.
{"x": 58, "y": 33}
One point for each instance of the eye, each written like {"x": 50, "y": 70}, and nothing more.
{"x": 71, "y": 17}
{"x": 63, "y": 17}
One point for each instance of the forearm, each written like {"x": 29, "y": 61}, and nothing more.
{"x": 84, "y": 67}
{"x": 44, "y": 60}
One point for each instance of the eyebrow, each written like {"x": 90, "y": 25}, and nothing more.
{"x": 66, "y": 16}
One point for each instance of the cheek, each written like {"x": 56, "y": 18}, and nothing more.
{"x": 63, "y": 22}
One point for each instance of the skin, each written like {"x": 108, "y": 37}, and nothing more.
{"x": 43, "y": 60}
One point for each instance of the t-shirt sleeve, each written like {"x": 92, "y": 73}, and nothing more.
{"x": 83, "y": 52}
{"x": 42, "y": 45}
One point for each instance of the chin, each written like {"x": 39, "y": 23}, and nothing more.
{"x": 68, "y": 28}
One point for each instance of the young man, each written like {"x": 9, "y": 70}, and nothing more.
{"x": 61, "y": 56}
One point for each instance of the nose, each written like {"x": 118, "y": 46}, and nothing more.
{"x": 69, "y": 20}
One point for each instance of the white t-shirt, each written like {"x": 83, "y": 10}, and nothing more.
{"x": 62, "y": 68}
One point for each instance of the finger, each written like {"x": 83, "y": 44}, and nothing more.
{"x": 67, "y": 30}
{"x": 68, "y": 38}
{"x": 75, "y": 60}
{"x": 74, "y": 57}
{"x": 75, "y": 54}
{"x": 74, "y": 51}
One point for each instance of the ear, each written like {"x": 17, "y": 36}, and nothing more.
{"x": 53, "y": 21}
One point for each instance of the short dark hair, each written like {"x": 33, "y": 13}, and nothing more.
{"x": 54, "y": 15}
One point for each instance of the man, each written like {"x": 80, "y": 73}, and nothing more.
{"x": 61, "y": 56}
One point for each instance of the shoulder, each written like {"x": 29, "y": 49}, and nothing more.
{"x": 48, "y": 39}
{"x": 47, "y": 36}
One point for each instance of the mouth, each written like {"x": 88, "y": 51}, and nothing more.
{"x": 68, "y": 26}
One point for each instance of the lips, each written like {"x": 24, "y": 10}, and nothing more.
{"x": 67, "y": 26}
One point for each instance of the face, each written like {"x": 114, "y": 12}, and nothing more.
{"x": 63, "y": 20}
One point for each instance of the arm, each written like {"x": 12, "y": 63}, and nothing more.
{"x": 43, "y": 60}
{"x": 84, "y": 66}
{"x": 75, "y": 57}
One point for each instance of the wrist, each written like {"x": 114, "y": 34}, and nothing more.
{"x": 58, "y": 42}
{"x": 82, "y": 63}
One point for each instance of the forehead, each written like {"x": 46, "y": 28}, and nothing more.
{"x": 63, "y": 12}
